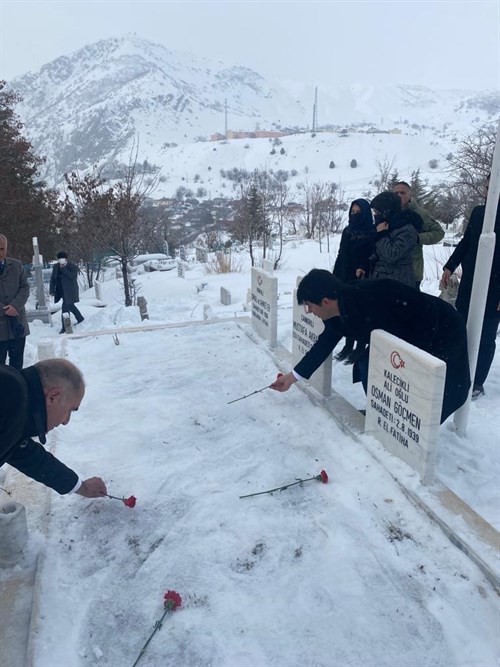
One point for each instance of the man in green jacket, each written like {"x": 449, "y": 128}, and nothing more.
{"x": 431, "y": 233}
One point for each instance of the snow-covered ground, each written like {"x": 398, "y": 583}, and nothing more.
{"x": 347, "y": 573}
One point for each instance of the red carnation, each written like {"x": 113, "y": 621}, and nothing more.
{"x": 130, "y": 502}
{"x": 172, "y": 600}
{"x": 323, "y": 476}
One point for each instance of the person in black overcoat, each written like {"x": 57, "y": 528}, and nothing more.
{"x": 465, "y": 254}
{"x": 357, "y": 309}
{"x": 64, "y": 285}
{"x": 353, "y": 262}
{"x": 34, "y": 401}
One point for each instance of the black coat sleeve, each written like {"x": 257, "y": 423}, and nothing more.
{"x": 36, "y": 462}
{"x": 465, "y": 244}
{"x": 312, "y": 360}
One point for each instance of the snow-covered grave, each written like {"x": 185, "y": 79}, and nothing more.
{"x": 346, "y": 573}
{"x": 319, "y": 574}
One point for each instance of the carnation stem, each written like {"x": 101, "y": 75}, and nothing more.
{"x": 279, "y": 488}
{"x": 156, "y": 628}
{"x": 114, "y": 497}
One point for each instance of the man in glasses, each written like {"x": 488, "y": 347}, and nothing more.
{"x": 354, "y": 310}
{"x": 431, "y": 232}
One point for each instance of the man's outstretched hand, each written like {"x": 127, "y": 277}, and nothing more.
{"x": 283, "y": 382}
{"x": 94, "y": 487}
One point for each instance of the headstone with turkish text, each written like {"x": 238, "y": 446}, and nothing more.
{"x": 265, "y": 305}
{"x": 181, "y": 270}
{"x": 182, "y": 253}
{"x": 404, "y": 401}
{"x": 98, "y": 290}
{"x": 306, "y": 329}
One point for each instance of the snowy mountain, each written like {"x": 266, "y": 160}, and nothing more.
{"x": 94, "y": 105}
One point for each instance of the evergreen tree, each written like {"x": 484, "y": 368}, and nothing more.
{"x": 28, "y": 209}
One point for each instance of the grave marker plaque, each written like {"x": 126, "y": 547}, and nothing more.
{"x": 404, "y": 401}
{"x": 306, "y": 329}
{"x": 265, "y": 305}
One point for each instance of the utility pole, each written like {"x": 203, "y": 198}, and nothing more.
{"x": 315, "y": 110}
{"x": 225, "y": 118}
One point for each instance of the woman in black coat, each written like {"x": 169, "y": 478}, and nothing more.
{"x": 353, "y": 262}
{"x": 64, "y": 285}
{"x": 397, "y": 236}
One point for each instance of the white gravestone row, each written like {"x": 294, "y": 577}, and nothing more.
{"x": 265, "y": 305}
{"x": 306, "y": 329}
{"x": 225, "y": 296}
{"x": 404, "y": 401}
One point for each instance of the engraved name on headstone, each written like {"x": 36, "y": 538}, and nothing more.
{"x": 404, "y": 401}
{"x": 306, "y": 329}
{"x": 265, "y": 305}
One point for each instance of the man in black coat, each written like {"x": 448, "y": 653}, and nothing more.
{"x": 357, "y": 309}
{"x": 64, "y": 285}
{"x": 34, "y": 401}
{"x": 465, "y": 254}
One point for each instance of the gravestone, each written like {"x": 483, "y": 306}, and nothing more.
{"x": 45, "y": 349}
{"x": 225, "y": 296}
{"x": 306, "y": 329}
{"x": 165, "y": 247}
{"x": 42, "y": 311}
{"x": 201, "y": 254}
{"x": 143, "y": 307}
{"x": 66, "y": 320}
{"x": 267, "y": 265}
{"x": 265, "y": 305}
{"x": 98, "y": 290}
{"x": 182, "y": 253}
{"x": 404, "y": 401}
{"x": 181, "y": 270}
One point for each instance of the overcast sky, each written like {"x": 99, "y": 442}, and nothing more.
{"x": 436, "y": 43}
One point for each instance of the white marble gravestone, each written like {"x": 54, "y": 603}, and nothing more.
{"x": 181, "y": 270}
{"x": 267, "y": 265}
{"x": 404, "y": 400}
{"x": 306, "y": 329}
{"x": 265, "y": 305}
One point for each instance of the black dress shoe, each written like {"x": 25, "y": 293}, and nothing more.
{"x": 343, "y": 354}
{"x": 63, "y": 330}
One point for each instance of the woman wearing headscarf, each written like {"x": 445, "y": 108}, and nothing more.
{"x": 353, "y": 262}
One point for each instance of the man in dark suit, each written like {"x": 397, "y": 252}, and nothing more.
{"x": 34, "y": 401}
{"x": 355, "y": 310}
{"x": 465, "y": 254}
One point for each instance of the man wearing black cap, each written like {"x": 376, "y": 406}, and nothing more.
{"x": 64, "y": 285}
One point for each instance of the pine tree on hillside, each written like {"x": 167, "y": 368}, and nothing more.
{"x": 28, "y": 209}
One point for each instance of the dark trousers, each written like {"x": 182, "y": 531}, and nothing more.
{"x": 15, "y": 349}
{"x": 70, "y": 308}
{"x": 487, "y": 348}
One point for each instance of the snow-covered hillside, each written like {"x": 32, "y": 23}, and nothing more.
{"x": 92, "y": 106}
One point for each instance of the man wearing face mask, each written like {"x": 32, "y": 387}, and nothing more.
{"x": 64, "y": 285}
{"x": 397, "y": 236}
